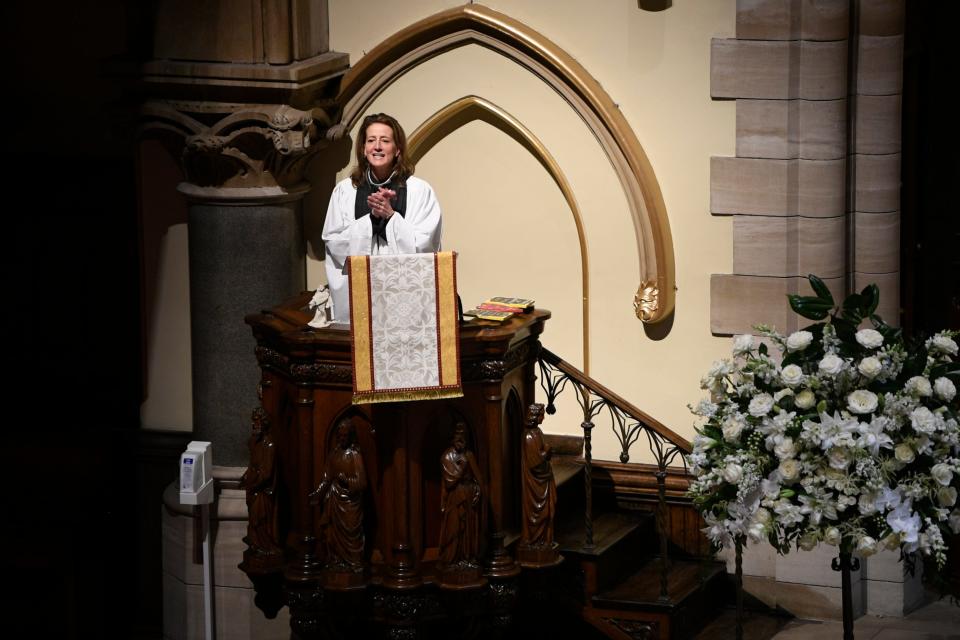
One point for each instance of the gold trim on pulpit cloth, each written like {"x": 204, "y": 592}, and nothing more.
{"x": 405, "y": 328}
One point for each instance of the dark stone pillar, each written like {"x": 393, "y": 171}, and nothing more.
{"x": 246, "y": 253}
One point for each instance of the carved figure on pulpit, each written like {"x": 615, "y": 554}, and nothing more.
{"x": 340, "y": 496}
{"x": 537, "y": 547}
{"x": 322, "y": 305}
{"x": 459, "y": 503}
{"x": 260, "y": 482}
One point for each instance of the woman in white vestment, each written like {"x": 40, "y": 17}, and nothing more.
{"x": 380, "y": 209}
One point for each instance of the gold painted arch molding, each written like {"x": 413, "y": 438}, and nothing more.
{"x": 477, "y": 24}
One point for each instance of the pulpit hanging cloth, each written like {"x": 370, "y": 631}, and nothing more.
{"x": 406, "y": 337}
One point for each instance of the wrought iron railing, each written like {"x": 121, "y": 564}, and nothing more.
{"x": 628, "y": 423}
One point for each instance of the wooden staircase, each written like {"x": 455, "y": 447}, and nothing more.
{"x": 615, "y": 584}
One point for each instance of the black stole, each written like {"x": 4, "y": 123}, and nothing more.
{"x": 361, "y": 208}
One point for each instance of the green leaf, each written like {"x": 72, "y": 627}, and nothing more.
{"x": 846, "y": 329}
{"x": 820, "y": 288}
{"x": 871, "y": 298}
{"x": 763, "y": 349}
{"x": 890, "y": 334}
{"x": 853, "y": 308}
{"x": 787, "y": 493}
{"x": 811, "y": 307}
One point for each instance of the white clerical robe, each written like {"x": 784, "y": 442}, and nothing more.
{"x": 418, "y": 231}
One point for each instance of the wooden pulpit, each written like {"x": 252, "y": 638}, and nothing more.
{"x": 347, "y": 503}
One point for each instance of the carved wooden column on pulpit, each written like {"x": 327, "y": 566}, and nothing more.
{"x": 430, "y": 491}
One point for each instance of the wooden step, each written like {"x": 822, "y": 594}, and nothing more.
{"x": 695, "y": 590}
{"x": 619, "y": 540}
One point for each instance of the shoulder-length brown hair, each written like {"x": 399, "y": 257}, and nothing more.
{"x": 402, "y": 166}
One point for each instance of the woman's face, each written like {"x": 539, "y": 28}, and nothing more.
{"x": 380, "y": 149}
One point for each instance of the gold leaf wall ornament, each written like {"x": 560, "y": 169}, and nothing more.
{"x": 482, "y": 26}
{"x": 646, "y": 301}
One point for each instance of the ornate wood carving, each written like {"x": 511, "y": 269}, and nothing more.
{"x": 537, "y": 547}
{"x": 496, "y": 369}
{"x": 460, "y": 505}
{"x": 340, "y": 497}
{"x": 263, "y": 553}
{"x": 636, "y": 629}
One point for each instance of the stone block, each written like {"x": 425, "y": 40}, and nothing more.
{"x": 884, "y": 565}
{"x": 235, "y": 614}
{"x": 881, "y": 17}
{"x": 817, "y": 602}
{"x": 812, "y": 568}
{"x": 894, "y": 599}
{"x": 792, "y": 20}
{"x": 877, "y": 180}
{"x": 879, "y": 65}
{"x": 778, "y": 70}
{"x": 789, "y": 246}
{"x": 877, "y": 242}
{"x": 787, "y": 129}
{"x": 877, "y": 128}
{"x": 814, "y": 188}
{"x": 737, "y": 302}
{"x": 178, "y": 550}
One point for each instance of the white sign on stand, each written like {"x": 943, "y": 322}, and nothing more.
{"x": 196, "y": 488}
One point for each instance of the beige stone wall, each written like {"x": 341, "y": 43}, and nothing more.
{"x": 656, "y": 66}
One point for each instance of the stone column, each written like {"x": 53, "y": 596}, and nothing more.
{"x": 241, "y": 96}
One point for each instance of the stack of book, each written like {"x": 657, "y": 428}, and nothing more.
{"x": 500, "y": 308}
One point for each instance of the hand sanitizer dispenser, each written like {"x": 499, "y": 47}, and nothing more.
{"x": 196, "y": 481}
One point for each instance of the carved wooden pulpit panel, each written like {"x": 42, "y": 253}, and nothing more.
{"x": 375, "y": 503}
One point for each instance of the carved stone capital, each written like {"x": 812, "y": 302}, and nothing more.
{"x": 232, "y": 146}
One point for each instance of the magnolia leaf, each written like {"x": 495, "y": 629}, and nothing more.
{"x": 890, "y": 334}
{"x": 810, "y": 307}
{"x": 846, "y": 329}
{"x": 763, "y": 349}
{"x": 945, "y": 369}
{"x": 871, "y": 298}
{"x": 853, "y": 308}
{"x": 820, "y": 288}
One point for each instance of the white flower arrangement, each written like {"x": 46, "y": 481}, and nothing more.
{"x": 851, "y": 438}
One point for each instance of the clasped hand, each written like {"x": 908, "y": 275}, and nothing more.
{"x": 379, "y": 203}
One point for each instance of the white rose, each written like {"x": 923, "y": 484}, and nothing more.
{"x": 838, "y": 458}
{"x": 784, "y": 447}
{"x": 945, "y": 389}
{"x": 789, "y": 469}
{"x": 805, "y": 399}
{"x": 943, "y": 344}
{"x": 732, "y": 473}
{"x": 742, "y": 344}
{"x": 862, "y": 401}
{"x": 808, "y": 541}
{"x": 947, "y": 496}
{"x": 832, "y": 536}
{"x": 942, "y": 473}
{"x": 792, "y": 375}
{"x": 904, "y": 453}
{"x": 869, "y": 367}
{"x": 923, "y": 420}
{"x": 918, "y": 386}
{"x": 763, "y": 516}
{"x": 760, "y": 405}
{"x": 799, "y": 340}
{"x": 831, "y": 364}
{"x": 867, "y": 546}
{"x": 731, "y": 428}
{"x": 870, "y": 338}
